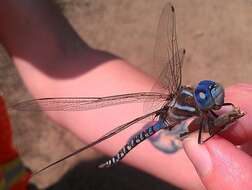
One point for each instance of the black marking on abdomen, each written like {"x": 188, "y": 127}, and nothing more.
{"x": 140, "y": 137}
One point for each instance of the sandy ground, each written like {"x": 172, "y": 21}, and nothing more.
{"x": 216, "y": 35}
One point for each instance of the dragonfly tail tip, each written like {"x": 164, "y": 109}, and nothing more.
{"x": 102, "y": 165}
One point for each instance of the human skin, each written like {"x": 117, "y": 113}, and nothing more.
{"x": 54, "y": 62}
{"x": 219, "y": 163}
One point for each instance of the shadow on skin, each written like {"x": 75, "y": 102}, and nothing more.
{"x": 86, "y": 175}
{"x": 50, "y": 44}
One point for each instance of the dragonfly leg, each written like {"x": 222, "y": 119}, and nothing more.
{"x": 191, "y": 127}
{"x": 223, "y": 120}
{"x": 199, "y": 135}
{"x": 137, "y": 139}
{"x": 203, "y": 123}
{"x": 229, "y": 104}
{"x": 213, "y": 130}
{"x": 212, "y": 135}
{"x": 214, "y": 114}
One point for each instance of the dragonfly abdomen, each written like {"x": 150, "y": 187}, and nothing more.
{"x": 137, "y": 139}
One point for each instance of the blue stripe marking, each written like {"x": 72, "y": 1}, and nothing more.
{"x": 185, "y": 108}
{"x": 186, "y": 92}
{"x": 159, "y": 125}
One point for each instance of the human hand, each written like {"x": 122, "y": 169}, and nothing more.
{"x": 219, "y": 163}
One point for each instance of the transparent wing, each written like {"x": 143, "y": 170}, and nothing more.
{"x": 167, "y": 56}
{"x": 160, "y": 87}
{"x": 168, "y": 81}
{"x": 85, "y": 103}
{"x": 166, "y": 52}
{"x": 104, "y": 137}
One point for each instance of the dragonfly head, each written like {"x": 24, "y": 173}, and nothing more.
{"x": 209, "y": 95}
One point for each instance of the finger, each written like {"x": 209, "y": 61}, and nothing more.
{"x": 241, "y": 96}
{"x": 219, "y": 164}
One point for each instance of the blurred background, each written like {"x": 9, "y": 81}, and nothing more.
{"x": 217, "y": 38}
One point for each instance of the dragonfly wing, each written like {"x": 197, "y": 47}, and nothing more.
{"x": 167, "y": 55}
{"x": 85, "y": 103}
{"x": 166, "y": 52}
{"x": 104, "y": 137}
{"x": 170, "y": 78}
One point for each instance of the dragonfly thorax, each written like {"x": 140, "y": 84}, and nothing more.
{"x": 182, "y": 106}
{"x": 209, "y": 95}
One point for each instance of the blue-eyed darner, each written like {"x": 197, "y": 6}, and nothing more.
{"x": 179, "y": 102}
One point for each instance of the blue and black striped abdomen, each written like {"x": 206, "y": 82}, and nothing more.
{"x": 133, "y": 142}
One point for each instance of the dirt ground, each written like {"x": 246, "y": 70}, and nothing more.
{"x": 217, "y": 38}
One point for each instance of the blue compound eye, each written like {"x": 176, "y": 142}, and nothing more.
{"x": 202, "y": 99}
{"x": 202, "y": 95}
{"x": 214, "y": 90}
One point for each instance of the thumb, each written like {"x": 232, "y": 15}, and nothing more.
{"x": 220, "y": 164}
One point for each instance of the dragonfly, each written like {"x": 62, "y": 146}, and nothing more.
{"x": 179, "y": 102}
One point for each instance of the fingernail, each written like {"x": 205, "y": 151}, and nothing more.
{"x": 199, "y": 156}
